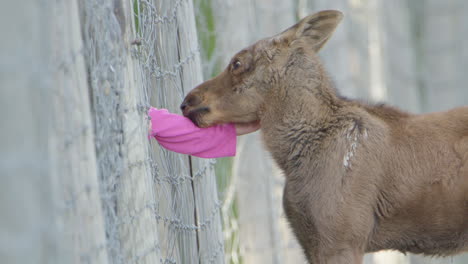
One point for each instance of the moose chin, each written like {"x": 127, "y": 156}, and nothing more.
{"x": 359, "y": 178}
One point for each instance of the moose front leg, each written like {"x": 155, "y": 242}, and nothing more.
{"x": 323, "y": 245}
{"x": 348, "y": 255}
{"x": 326, "y": 242}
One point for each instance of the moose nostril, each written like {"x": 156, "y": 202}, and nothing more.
{"x": 183, "y": 106}
{"x": 190, "y": 101}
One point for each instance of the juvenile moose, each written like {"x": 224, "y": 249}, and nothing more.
{"x": 359, "y": 178}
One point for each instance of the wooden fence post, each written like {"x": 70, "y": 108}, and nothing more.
{"x": 51, "y": 192}
{"x": 121, "y": 132}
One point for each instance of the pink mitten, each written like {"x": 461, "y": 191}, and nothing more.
{"x": 179, "y": 134}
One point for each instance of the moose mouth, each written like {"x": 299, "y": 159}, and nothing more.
{"x": 196, "y": 116}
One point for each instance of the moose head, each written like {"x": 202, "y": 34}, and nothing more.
{"x": 239, "y": 93}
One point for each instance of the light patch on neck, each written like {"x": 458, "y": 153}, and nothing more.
{"x": 352, "y": 137}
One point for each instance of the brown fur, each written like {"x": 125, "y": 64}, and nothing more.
{"x": 359, "y": 178}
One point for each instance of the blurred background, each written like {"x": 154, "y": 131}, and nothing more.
{"x": 81, "y": 182}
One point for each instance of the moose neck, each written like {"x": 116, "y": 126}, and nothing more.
{"x": 300, "y": 109}
{"x": 302, "y": 93}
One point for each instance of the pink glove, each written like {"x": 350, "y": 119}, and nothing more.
{"x": 179, "y": 134}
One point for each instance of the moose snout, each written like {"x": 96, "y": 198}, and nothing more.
{"x": 191, "y": 102}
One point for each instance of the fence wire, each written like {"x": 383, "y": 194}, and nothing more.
{"x": 159, "y": 206}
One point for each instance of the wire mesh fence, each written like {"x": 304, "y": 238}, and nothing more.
{"x": 182, "y": 192}
{"x": 84, "y": 184}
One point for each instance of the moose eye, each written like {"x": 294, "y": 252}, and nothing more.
{"x": 236, "y": 64}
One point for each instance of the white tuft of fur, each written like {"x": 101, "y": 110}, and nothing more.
{"x": 352, "y": 137}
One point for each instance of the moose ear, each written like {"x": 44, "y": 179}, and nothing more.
{"x": 316, "y": 29}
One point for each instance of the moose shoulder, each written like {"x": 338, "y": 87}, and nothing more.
{"x": 359, "y": 178}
